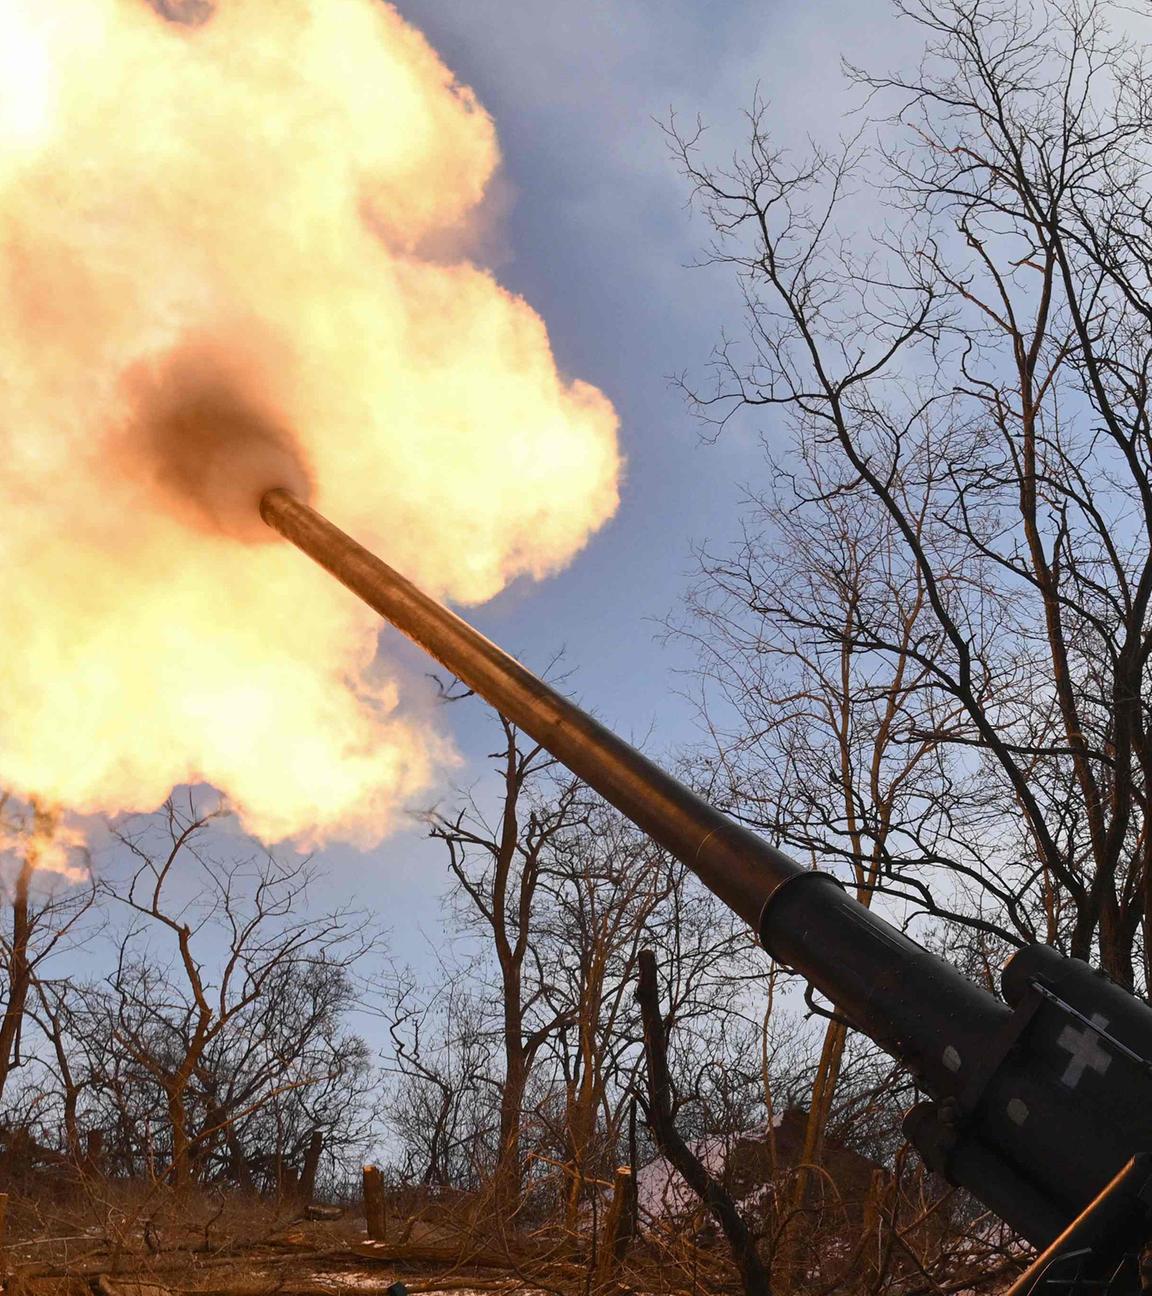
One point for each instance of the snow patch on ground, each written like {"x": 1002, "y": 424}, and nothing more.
{"x": 660, "y": 1190}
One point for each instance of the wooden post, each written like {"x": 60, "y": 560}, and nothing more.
{"x": 618, "y": 1229}
{"x": 374, "y": 1213}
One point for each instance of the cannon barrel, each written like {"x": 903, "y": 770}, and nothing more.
{"x": 1011, "y": 1121}
{"x": 740, "y": 867}
{"x": 806, "y": 919}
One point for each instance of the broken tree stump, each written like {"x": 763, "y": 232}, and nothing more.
{"x": 618, "y": 1229}
{"x": 375, "y": 1216}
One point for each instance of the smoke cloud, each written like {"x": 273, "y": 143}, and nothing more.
{"x": 211, "y": 242}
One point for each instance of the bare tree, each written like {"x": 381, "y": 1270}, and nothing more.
{"x": 259, "y": 1132}
{"x": 225, "y": 997}
{"x": 496, "y": 859}
{"x": 444, "y": 1107}
{"x": 611, "y": 892}
{"x": 562, "y": 893}
{"x": 974, "y": 376}
{"x": 604, "y": 884}
{"x": 45, "y": 919}
{"x": 819, "y": 741}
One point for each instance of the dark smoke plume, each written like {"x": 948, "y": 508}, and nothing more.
{"x": 204, "y": 437}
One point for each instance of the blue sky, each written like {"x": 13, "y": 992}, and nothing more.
{"x": 598, "y": 238}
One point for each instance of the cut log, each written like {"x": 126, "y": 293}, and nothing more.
{"x": 428, "y": 1253}
{"x": 317, "y": 1212}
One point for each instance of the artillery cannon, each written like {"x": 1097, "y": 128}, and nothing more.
{"x": 1040, "y": 1105}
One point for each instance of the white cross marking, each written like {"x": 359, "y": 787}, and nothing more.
{"x": 1085, "y": 1049}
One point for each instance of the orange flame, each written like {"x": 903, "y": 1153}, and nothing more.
{"x": 215, "y": 249}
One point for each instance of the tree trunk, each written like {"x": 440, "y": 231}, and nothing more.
{"x": 19, "y": 975}
{"x": 819, "y": 1110}
{"x": 238, "y": 1169}
{"x": 94, "y": 1152}
{"x": 178, "y": 1173}
{"x": 511, "y": 1107}
{"x": 310, "y": 1166}
{"x": 753, "y": 1276}
{"x": 581, "y": 1121}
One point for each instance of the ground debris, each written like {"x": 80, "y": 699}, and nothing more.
{"x": 107, "y": 1286}
{"x": 373, "y": 1285}
{"x": 426, "y": 1253}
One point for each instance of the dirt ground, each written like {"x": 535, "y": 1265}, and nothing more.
{"x": 270, "y": 1274}
{"x": 309, "y": 1259}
